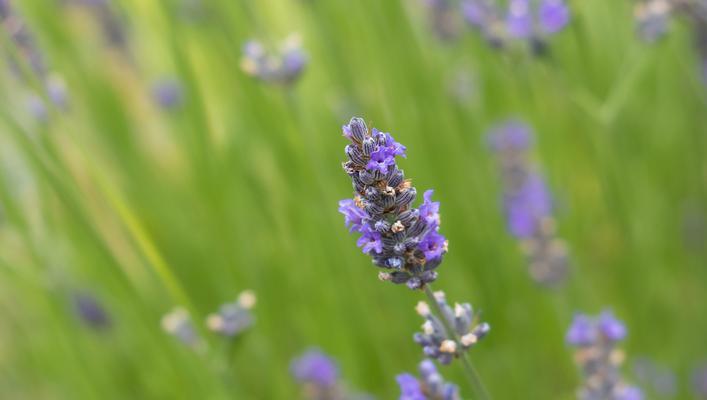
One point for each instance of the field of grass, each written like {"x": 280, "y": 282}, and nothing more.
{"x": 237, "y": 188}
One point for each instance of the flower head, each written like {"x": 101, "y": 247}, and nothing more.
{"x": 284, "y": 66}
{"x": 168, "y": 93}
{"x": 435, "y": 340}
{"x": 178, "y": 323}
{"x": 316, "y": 368}
{"x": 430, "y": 386}
{"x": 403, "y": 240}
{"x": 91, "y": 311}
{"x": 233, "y": 318}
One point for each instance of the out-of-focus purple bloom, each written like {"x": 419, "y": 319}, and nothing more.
{"x": 410, "y": 388}
{"x": 657, "y": 379}
{"x": 282, "y": 67}
{"x": 652, "y": 18}
{"x": 430, "y": 386}
{"x": 582, "y": 332}
{"x": 526, "y": 208}
{"x": 90, "y": 311}
{"x": 316, "y": 368}
{"x": 435, "y": 341}
{"x": 233, "y": 318}
{"x": 168, "y": 93}
{"x": 629, "y": 393}
{"x": 519, "y": 19}
{"x": 699, "y": 381}
{"x": 612, "y": 329}
{"x": 528, "y": 204}
{"x": 525, "y": 20}
{"x": 553, "y": 16}
{"x": 178, "y": 323}
{"x": 598, "y": 357}
{"x": 402, "y": 239}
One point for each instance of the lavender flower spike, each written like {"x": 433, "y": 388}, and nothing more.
{"x": 434, "y": 338}
{"x": 403, "y": 240}
{"x": 178, "y": 323}
{"x": 282, "y": 67}
{"x": 233, "y": 318}
{"x": 319, "y": 376}
{"x": 597, "y": 356}
{"x": 430, "y": 385}
{"x": 528, "y": 204}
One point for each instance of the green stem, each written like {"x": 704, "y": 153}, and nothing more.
{"x": 474, "y": 380}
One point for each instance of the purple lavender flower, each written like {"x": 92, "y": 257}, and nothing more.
{"x": 699, "y": 381}
{"x": 90, "y": 311}
{"x": 401, "y": 239}
{"x": 282, "y": 67}
{"x": 528, "y": 204}
{"x": 430, "y": 386}
{"x": 524, "y": 20}
{"x": 168, "y": 93}
{"x": 316, "y": 368}
{"x": 660, "y": 379}
{"x": 652, "y": 18}
{"x": 178, "y": 323}
{"x": 582, "y": 332}
{"x": 434, "y": 339}
{"x": 410, "y": 388}
{"x": 598, "y": 357}
{"x": 612, "y": 329}
{"x": 233, "y": 318}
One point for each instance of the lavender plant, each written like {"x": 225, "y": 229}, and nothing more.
{"x": 90, "y": 311}
{"x": 524, "y": 20}
{"x": 402, "y": 240}
{"x": 178, "y": 323}
{"x": 528, "y": 204}
{"x": 429, "y": 386}
{"x": 599, "y": 358}
{"x": 283, "y": 67}
{"x": 434, "y": 340}
{"x": 654, "y": 16}
{"x": 167, "y": 93}
{"x": 319, "y": 376}
{"x": 699, "y": 381}
{"x": 51, "y": 86}
{"x": 233, "y": 318}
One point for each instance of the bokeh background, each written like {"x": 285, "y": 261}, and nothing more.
{"x": 236, "y": 187}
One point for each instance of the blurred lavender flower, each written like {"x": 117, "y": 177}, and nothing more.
{"x": 656, "y": 378}
{"x": 443, "y": 18}
{"x": 430, "y": 386}
{"x": 652, "y": 18}
{"x": 23, "y": 39}
{"x": 113, "y": 28}
{"x": 90, "y": 311}
{"x": 598, "y": 357}
{"x": 282, "y": 67}
{"x": 168, "y": 93}
{"x": 401, "y": 239}
{"x": 316, "y": 368}
{"x": 525, "y": 20}
{"x": 434, "y": 338}
{"x": 178, "y": 323}
{"x": 319, "y": 376}
{"x": 699, "y": 382}
{"x": 528, "y": 204}
{"x": 233, "y": 318}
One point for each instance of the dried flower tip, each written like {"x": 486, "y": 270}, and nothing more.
{"x": 247, "y": 299}
{"x": 423, "y": 309}
{"x": 469, "y": 339}
{"x": 428, "y": 328}
{"x": 448, "y": 346}
{"x": 458, "y": 310}
{"x": 214, "y": 322}
{"x": 384, "y": 276}
{"x": 440, "y": 296}
{"x": 397, "y": 227}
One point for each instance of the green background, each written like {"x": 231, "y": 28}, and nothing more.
{"x": 238, "y": 189}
